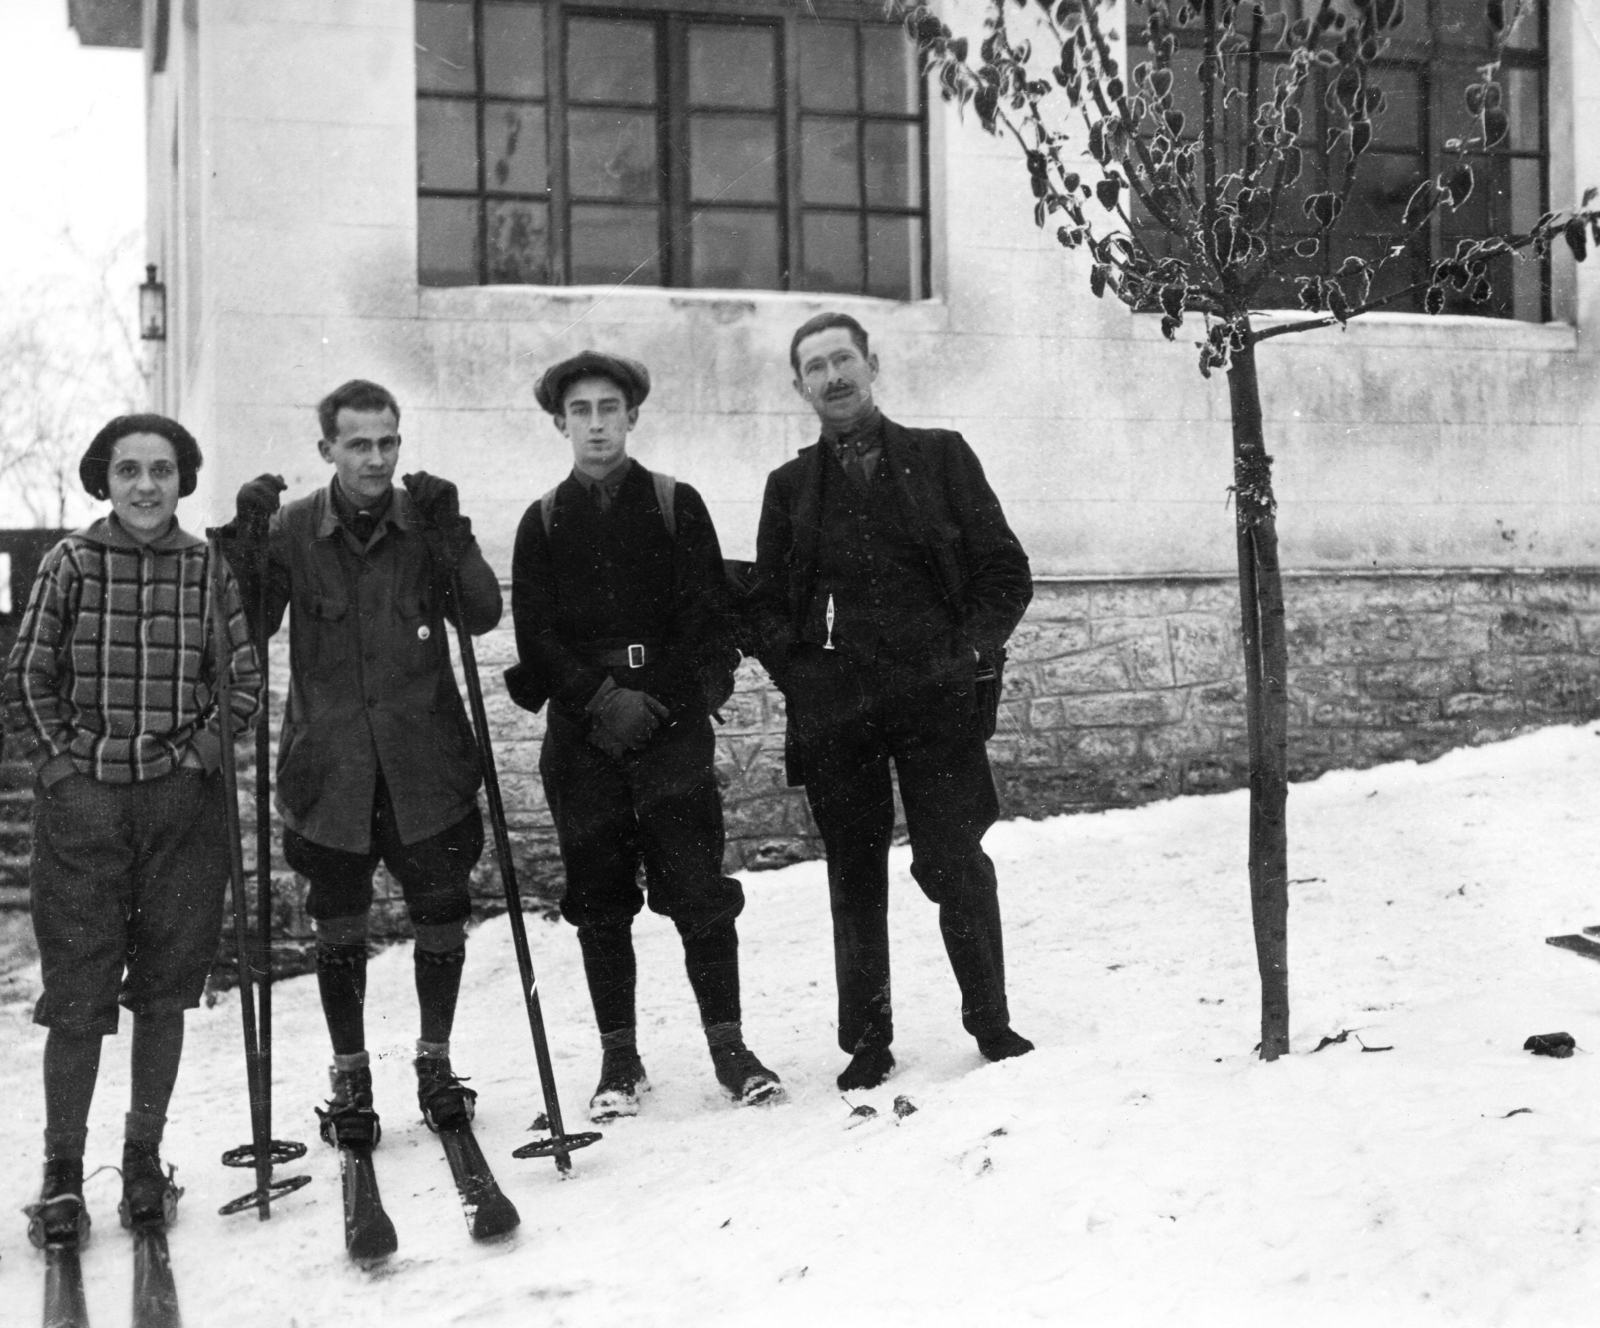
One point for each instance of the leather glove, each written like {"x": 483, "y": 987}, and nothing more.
{"x": 254, "y": 506}
{"x": 438, "y": 505}
{"x": 624, "y": 718}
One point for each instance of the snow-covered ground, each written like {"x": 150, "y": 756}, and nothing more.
{"x": 1141, "y": 1168}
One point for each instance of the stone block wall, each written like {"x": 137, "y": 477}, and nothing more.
{"x": 1120, "y": 691}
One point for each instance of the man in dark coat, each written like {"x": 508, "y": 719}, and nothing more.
{"x": 887, "y": 582}
{"x": 616, "y": 591}
{"x": 377, "y": 761}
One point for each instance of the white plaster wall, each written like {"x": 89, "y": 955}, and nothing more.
{"x": 1400, "y": 442}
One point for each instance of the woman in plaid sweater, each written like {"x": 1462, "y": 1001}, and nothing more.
{"x": 110, "y": 691}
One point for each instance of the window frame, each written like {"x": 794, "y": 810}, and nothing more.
{"x": 673, "y": 112}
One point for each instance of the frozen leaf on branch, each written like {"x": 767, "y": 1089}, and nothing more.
{"x": 1496, "y": 125}
{"x": 1229, "y": 241}
{"x": 1161, "y": 82}
{"x": 1108, "y": 190}
{"x": 1174, "y": 121}
{"x": 1458, "y": 184}
{"x": 1346, "y": 87}
{"x": 1338, "y": 304}
{"x": 1097, "y": 279}
{"x": 1360, "y": 136}
{"x": 1323, "y": 209}
{"x": 1423, "y": 200}
{"x": 1390, "y": 13}
{"x": 1573, "y": 234}
{"x": 1433, "y": 299}
{"x": 1308, "y": 247}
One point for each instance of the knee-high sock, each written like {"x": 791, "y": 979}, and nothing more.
{"x": 71, "y": 1065}
{"x": 711, "y": 956}
{"x": 157, "y": 1049}
{"x": 342, "y": 982}
{"x": 609, "y": 966}
{"x": 438, "y": 957}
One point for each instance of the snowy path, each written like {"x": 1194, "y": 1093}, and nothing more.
{"x": 1140, "y": 1168}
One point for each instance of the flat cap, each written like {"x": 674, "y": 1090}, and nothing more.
{"x": 631, "y": 376}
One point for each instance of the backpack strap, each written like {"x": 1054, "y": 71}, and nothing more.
{"x": 666, "y": 500}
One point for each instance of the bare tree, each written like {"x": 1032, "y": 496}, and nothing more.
{"x": 1210, "y": 210}
{"x": 69, "y": 360}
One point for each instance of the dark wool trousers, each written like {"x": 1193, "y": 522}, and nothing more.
{"x": 852, "y": 719}
{"x": 659, "y": 808}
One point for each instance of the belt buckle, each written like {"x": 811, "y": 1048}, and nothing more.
{"x": 636, "y": 657}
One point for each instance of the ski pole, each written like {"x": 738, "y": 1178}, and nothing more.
{"x": 263, "y": 1150}
{"x": 558, "y": 1144}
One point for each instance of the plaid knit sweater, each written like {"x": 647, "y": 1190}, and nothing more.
{"x": 113, "y": 671}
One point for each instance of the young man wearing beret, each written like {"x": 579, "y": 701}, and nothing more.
{"x": 887, "y": 584}
{"x": 377, "y": 760}
{"x": 617, "y": 592}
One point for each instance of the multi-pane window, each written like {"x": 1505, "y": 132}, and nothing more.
{"x": 1424, "y": 74}
{"x": 739, "y": 148}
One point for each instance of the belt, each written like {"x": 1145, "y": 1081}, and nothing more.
{"x": 635, "y": 656}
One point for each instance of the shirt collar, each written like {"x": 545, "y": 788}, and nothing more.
{"x": 393, "y": 510}
{"x": 612, "y": 479}
{"x": 862, "y": 436}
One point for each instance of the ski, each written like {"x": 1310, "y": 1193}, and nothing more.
{"x": 368, "y": 1232}
{"x": 1582, "y": 945}
{"x": 64, "y": 1306}
{"x": 489, "y": 1213}
{"x": 155, "y": 1295}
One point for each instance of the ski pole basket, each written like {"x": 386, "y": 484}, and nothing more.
{"x": 557, "y": 1145}
{"x": 282, "y": 1150}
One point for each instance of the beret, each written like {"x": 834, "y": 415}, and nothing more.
{"x": 96, "y": 462}
{"x": 631, "y": 376}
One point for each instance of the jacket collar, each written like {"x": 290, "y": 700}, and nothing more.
{"x": 109, "y": 532}
{"x": 397, "y": 514}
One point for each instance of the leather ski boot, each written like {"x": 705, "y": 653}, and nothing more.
{"x": 149, "y": 1195}
{"x": 622, "y": 1079}
{"x": 446, "y": 1101}
{"x": 60, "y": 1220}
{"x": 349, "y": 1118}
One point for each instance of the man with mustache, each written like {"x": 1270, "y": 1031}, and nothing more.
{"x": 887, "y": 582}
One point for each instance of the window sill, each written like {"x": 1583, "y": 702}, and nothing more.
{"x": 631, "y": 304}
{"x": 1439, "y": 331}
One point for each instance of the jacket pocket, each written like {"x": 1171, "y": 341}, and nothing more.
{"x": 301, "y": 771}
